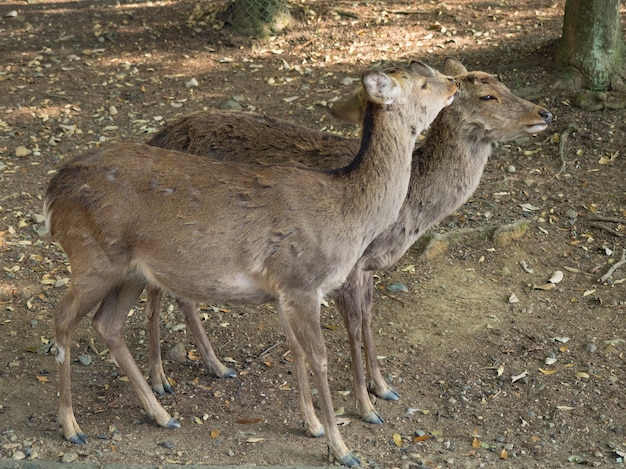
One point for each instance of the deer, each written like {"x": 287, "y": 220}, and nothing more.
{"x": 445, "y": 171}
{"x": 129, "y": 214}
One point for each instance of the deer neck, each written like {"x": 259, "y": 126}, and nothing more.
{"x": 381, "y": 167}
{"x": 445, "y": 171}
{"x": 447, "y": 168}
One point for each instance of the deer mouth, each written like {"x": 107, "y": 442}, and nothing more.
{"x": 536, "y": 128}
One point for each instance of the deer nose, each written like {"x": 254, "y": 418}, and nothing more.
{"x": 546, "y": 115}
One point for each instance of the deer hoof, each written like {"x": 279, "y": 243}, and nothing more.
{"x": 374, "y": 418}
{"x": 162, "y": 389}
{"x": 350, "y": 460}
{"x": 315, "y": 433}
{"x": 78, "y": 439}
{"x": 172, "y": 424}
{"x": 229, "y": 373}
{"x": 389, "y": 395}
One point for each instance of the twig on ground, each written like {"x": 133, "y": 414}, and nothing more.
{"x": 562, "y": 138}
{"x": 269, "y": 349}
{"x": 614, "y": 267}
{"x": 594, "y": 217}
{"x": 391, "y": 297}
{"x": 604, "y": 227}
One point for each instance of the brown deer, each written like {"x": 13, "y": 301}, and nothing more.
{"x": 205, "y": 230}
{"x": 445, "y": 171}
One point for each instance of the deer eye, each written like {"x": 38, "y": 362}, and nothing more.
{"x": 487, "y": 97}
{"x": 425, "y": 85}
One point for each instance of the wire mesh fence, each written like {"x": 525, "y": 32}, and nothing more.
{"x": 250, "y": 17}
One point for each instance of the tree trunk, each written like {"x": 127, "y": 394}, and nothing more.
{"x": 258, "y": 17}
{"x": 592, "y": 43}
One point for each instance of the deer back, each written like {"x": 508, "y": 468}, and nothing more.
{"x": 248, "y": 137}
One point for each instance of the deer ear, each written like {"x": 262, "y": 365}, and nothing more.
{"x": 352, "y": 108}
{"x": 380, "y": 88}
{"x": 422, "y": 69}
{"x": 453, "y": 67}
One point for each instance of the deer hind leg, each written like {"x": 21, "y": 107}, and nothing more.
{"x": 109, "y": 322}
{"x": 202, "y": 342}
{"x": 158, "y": 378}
{"x": 300, "y": 316}
{"x": 72, "y": 308}
{"x": 377, "y": 384}
{"x": 351, "y": 302}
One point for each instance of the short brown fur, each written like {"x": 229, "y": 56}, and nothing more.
{"x": 131, "y": 214}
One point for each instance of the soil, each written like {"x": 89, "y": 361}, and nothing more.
{"x": 486, "y": 379}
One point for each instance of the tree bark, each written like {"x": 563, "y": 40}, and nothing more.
{"x": 592, "y": 43}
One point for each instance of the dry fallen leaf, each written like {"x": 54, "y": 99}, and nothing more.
{"x": 43, "y": 379}
{"x": 547, "y": 372}
{"x": 518, "y": 377}
{"x": 215, "y": 434}
{"x": 557, "y": 276}
{"x": 397, "y": 439}
{"x": 194, "y": 355}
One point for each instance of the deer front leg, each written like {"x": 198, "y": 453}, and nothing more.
{"x": 159, "y": 381}
{"x": 109, "y": 322}
{"x": 202, "y": 342}
{"x": 301, "y": 311}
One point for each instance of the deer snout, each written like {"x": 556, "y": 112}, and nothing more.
{"x": 546, "y": 115}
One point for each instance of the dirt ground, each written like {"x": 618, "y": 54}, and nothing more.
{"x": 530, "y": 380}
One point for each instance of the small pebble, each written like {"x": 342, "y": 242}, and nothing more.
{"x": 22, "y": 151}
{"x": 177, "y": 353}
{"x": 85, "y": 359}
{"x": 511, "y": 169}
{"x": 167, "y": 444}
{"x": 18, "y": 456}
{"x": 38, "y": 218}
{"x": 398, "y": 287}
{"x": 69, "y": 457}
{"x": 231, "y": 105}
{"x": 590, "y": 348}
